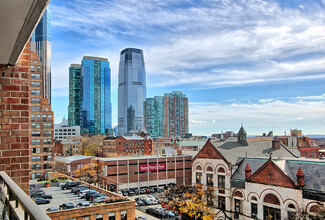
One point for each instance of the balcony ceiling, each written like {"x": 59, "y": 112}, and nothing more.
{"x": 18, "y": 18}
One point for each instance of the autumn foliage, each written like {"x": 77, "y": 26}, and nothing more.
{"x": 88, "y": 172}
{"x": 189, "y": 201}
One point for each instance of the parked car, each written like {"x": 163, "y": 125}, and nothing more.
{"x": 158, "y": 190}
{"x": 69, "y": 184}
{"x": 152, "y": 190}
{"x": 124, "y": 192}
{"x": 41, "y": 195}
{"x": 143, "y": 191}
{"x": 150, "y": 210}
{"x": 74, "y": 189}
{"x": 87, "y": 194}
{"x": 40, "y": 201}
{"x": 130, "y": 193}
{"x": 140, "y": 203}
{"x": 52, "y": 209}
{"x": 96, "y": 195}
{"x": 147, "y": 190}
{"x": 83, "y": 204}
{"x": 67, "y": 205}
{"x": 146, "y": 201}
{"x": 62, "y": 183}
{"x": 100, "y": 199}
{"x": 83, "y": 192}
{"x": 153, "y": 201}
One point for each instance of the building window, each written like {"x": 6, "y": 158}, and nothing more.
{"x": 36, "y": 141}
{"x": 254, "y": 210}
{"x": 209, "y": 179}
{"x": 198, "y": 178}
{"x": 35, "y": 84}
{"x": 36, "y": 166}
{"x": 237, "y": 208}
{"x": 35, "y": 108}
{"x": 222, "y": 202}
{"x": 270, "y": 211}
{"x": 36, "y": 158}
{"x": 36, "y": 92}
{"x": 36, "y": 76}
{"x": 49, "y": 117}
{"x": 47, "y": 166}
{"x": 36, "y": 150}
{"x": 32, "y": 68}
{"x": 47, "y": 158}
{"x": 38, "y": 175}
{"x": 47, "y": 141}
{"x": 36, "y": 125}
{"x": 221, "y": 181}
{"x": 38, "y": 117}
{"x": 38, "y": 68}
{"x": 47, "y": 133}
{"x": 32, "y": 117}
{"x": 47, "y": 125}
{"x": 36, "y": 133}
{"x": 47, "y": 149}
{"x": 35, "y": 100}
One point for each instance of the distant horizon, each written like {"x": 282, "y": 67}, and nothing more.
{"x": 260, "y": 63}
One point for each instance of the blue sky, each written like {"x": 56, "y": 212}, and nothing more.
{"x": 260, "y": 63}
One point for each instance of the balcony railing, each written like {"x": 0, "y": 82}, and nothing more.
{"x": 18, "y": 204}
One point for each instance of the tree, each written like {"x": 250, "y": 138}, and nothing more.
{"x": 91, "y": 149}
{"x": 88, "y": 172}
{"x": 190, "y": 201}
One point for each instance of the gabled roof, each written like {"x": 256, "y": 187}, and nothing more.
{"x": 234, "y": 151}
{"x": 210, "y": 152}
{"x": 313, "y": 169}
{"x": 271, "y": 174}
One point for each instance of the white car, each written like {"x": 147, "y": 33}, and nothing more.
{"x": 153, "y": 201}
{"x": 83, "y": 192}
{"x": 62, "y": 183}
{"x": 153, "y": 198}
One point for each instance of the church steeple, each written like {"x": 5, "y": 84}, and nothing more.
{"x": 242, "y": 136}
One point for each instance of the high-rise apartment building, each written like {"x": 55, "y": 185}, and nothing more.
{"x": 41, "y": 123}
{"x": 153, "y": 116}
{"x": 176, "y": 114}
{"x": 74, "y": 94}
{"x": 96, "y": 107}
{"x": 41, "y": 44}
{"x": 167, "y": 116}
{"x": 131, "y": 90}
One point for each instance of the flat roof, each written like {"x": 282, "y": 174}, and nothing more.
{"x": 70, "y": 159}
{"x": 140, "y": 157}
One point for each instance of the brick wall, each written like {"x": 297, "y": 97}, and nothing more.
{"x": 14, "y": 113}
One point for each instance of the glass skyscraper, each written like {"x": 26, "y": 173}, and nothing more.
{"x": 167, "y": 116}
{"x": 74, "y": 94}
{"x": 96, "y": 107}
{"x": 41, "y": 44}
{"x": 154, "y": 116}
{"x": 131, "y": 90}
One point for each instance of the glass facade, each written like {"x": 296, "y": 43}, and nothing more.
{"x": 131, "y": 90}
{"x": 153, "y": 116}
{"x": 96, "y": 107}
{"x": 74, "y": 94}
{"x": 41, "y": 44}
{"x": 166, "y": 116}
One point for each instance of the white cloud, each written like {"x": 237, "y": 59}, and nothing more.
{"x": 258, "y": 117}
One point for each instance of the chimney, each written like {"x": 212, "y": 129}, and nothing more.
{"x": 300, "y": 178}
{"x": 248, "y": 172}
{"x": 264, "y": 134}
{"x": 276, "y": 144}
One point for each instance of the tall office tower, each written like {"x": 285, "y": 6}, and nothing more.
{"x": 74, "y": 94}
{"x": 41, "y": 44}
{"x": 131, "y": 90}
{"x": 153, "y": 116}
{"x": 96, "y": 107}
{"x": 175, "y": 114}
{"x": 41, "y": 123}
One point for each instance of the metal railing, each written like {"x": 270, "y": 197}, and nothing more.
{"x": 18, "y": 205}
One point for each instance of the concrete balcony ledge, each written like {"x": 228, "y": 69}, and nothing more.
{"x": 19, "y": 204}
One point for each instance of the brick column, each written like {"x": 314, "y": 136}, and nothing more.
{"x": 93, "y": 217}
{"x": 14, "y": 114}
{"x": 105, "y": 216}
{"x": 118, "y": 215}
{"x": 130, "y": 214}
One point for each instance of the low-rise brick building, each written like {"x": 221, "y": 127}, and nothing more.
{"x": 134, "y": 145}
{"x": 132, "y": 172}
{"x": 68, "y": 165}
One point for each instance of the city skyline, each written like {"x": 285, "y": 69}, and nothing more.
{"x": 255, "y": 62}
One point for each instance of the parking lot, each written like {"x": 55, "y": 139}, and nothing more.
{"x": 60, "y": 196}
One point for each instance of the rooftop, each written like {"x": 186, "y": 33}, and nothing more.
{"x": 233, "y": 150}
{"x": 139, "y": 157}
{"x": 71, "y": 159}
